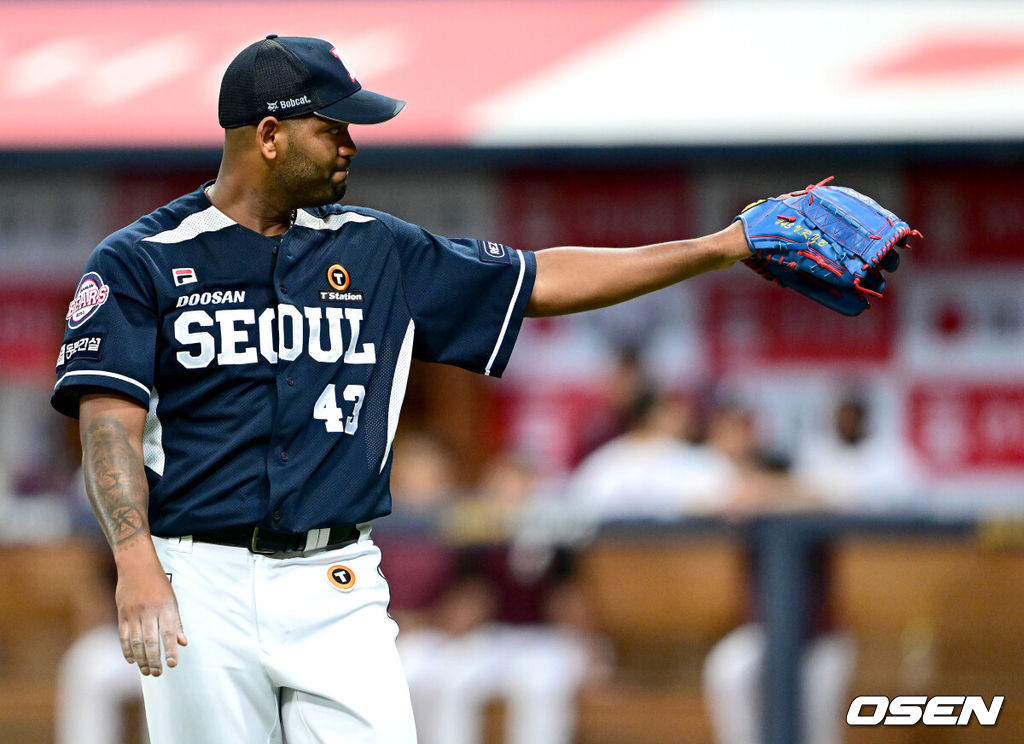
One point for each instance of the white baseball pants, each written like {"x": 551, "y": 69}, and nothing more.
{"x": 281, "y": 651}
{"x": 537, "y": 671}
{"x": 732, "y": 684}
{"x": 93, "y": 684}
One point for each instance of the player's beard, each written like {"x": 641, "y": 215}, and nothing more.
{"x": 305, "y": 183}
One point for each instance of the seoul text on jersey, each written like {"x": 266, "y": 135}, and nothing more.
{"x": 285, "y": 332}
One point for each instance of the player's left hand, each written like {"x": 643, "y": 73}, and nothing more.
{"x": 148, "y": 619}
{"x": 830, "y": 243}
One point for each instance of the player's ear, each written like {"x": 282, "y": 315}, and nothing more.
{"x": 268, "y": 134}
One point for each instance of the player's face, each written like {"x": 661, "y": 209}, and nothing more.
{"x": 313, "y": 169}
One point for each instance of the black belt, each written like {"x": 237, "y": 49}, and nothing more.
{"x": 282, "y": 544}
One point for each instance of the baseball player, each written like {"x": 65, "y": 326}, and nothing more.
{"x": 237, "y": 360}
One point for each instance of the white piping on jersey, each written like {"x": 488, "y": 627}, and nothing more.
{"x": 508, "y": 314}
{"x": 153, "y": 437}
{"x": 331, "y": 222}
{"x": 212, "y": 219}
{"x": 101, "y": 374}
{"x": 209, "y": 220}
{"x": 398, "y": 383}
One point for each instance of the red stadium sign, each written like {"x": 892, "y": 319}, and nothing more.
{"x": 508, "y": 73}
{"x": 620, "y": 207}
{"x": 969, "y": 215}
{"x": 31, "y": 327}
{"x": 145, "y": 74}
{"x": 966, "y": 426}
{"x": 752, "y": 322}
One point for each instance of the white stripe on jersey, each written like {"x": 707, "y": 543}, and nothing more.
{"x": 101, "y": 374}
{"x": 331, "y": 222}
{"x": 402, "y": 365}
{"x": 209, "y": 220}
{"x": 212, "y": 219}
{"x": 508, "y": 313}
{"x": 153, "y": 437}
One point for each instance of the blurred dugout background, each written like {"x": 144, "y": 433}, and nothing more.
{"x": 591, "y": 123}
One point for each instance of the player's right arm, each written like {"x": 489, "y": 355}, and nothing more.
{"x": 573, "y": 279}
{"x": 115, "y": 479}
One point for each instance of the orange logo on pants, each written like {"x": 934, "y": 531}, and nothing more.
{"x": 341, "y": 577}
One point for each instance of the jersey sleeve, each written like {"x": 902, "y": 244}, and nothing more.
{"x": 109, "y": 331}
{"x": 467, "y": 297}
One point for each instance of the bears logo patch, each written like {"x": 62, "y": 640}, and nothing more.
{"x": 90, "y": 295}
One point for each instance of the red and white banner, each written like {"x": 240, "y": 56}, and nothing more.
{"x": 31, "y": 328}
{"x": 145, "y": 74}
{"x": 970, "y": 215}
{"x": 599, "y": 207}
{"x": 534, "y": 72}
{"x": 751, "y": 322}
{"x": 966, "y": 322}
{"x": 960, "y": 427}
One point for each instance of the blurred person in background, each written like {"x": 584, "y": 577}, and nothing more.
{"x": 852, "y": 466}
{"x": 656, "y": 471}
{"x": 417, "y": 560}
{"x": 733, "y": 668}
{"x": 761, "y": 475}
{"x": 507, "y": 625}
{"x": 847, "y": 467}
{"x": 93, "y": 683}
{"x": 609, "y": 416}
{"x": 42, "y": 499}
{"x": 425, "y": 473}
{"x": 652, "y": 470}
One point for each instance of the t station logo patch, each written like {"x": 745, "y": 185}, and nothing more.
{"x": 340, "y": 281}
{"x": 341, "y": 577}
{"x": 89, "y": 296}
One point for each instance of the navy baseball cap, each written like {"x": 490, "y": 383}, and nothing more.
{"x": 290, "y": 76}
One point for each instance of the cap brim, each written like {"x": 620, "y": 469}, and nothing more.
{"x": 362, "y": 107}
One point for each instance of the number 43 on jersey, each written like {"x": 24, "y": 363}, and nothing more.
{"x": 326, "y": 408}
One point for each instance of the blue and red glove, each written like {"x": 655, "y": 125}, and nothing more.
{"x": 829, "y": 243}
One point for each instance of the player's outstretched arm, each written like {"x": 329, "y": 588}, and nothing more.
{"x": 570, "y": 280}
{"x": 115, "y": 479}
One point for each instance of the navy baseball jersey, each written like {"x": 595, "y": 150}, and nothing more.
{"x": 274, "y": 368}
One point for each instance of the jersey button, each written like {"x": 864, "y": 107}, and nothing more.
{"x": 291, "y": 382}
{"x": 284, "y": 289}
{"x": 277, "y": 515}
{"x": 284, "y": 456}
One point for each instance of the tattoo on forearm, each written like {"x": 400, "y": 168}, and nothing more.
{"x": 115, "y": 480}
{"x": 126, "y": 522}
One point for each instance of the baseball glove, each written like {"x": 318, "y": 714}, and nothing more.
{"x": 829, "y": 243}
